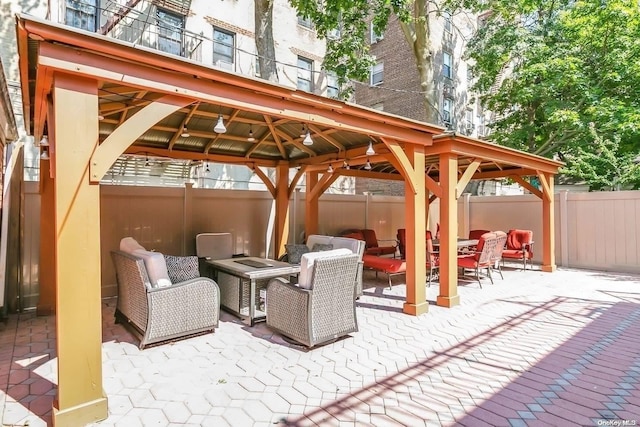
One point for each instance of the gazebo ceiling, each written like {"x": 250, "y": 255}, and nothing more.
{"x": 277, "y": 117}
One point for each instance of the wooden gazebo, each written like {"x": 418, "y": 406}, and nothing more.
{"x": 97, "y": 98}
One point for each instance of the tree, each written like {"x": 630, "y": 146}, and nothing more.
{"x": 348, "y": 55}
{"x": 548, "y": 69}
{"x": 263, "y": 22}
{"x": 603, "y": 165}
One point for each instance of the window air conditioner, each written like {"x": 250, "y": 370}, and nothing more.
{"x": 224, "y": 65}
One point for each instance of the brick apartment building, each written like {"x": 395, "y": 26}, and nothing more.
{"x": 394, "y": 84}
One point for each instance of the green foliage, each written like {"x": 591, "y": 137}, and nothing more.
{"x": 603, "y": 165}
{"x": 548, "y": 68}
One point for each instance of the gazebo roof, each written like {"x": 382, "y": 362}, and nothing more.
{"x": 133, "y": 77}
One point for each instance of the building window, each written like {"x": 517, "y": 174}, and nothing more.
{"x": 375, "y": 37}
{"x": 333, "y": 34}
{"x": 223, "y": 47}
{"x": 468, "y": 122}
{"x": 333, "y": 90}
{"x": 305, "y": 74}
{"x": 170, "y": 27}
{"x": 447, "y": 109}
{"x": 481, "y": 128}
{"x": 377, "y": 74}
{"x": 447, "y": 21}
{"x": 305, "y": 22}
{"x": 82, "y": 14}
{"x": 446, "y": 65}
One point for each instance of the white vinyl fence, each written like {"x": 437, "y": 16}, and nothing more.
{"x": 599, "y": 231}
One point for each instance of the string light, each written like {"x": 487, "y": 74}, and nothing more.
{"x": 307, "y": 139}
{"x": 220, "y": 127}
{"x": 370, "y": 151}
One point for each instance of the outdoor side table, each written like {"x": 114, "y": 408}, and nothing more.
{"x": 240, "y": 281}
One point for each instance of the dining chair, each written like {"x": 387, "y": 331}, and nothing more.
{"x": 480, "y": 259}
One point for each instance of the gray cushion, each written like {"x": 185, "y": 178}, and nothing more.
{"x": 319, "y": 247}
{"x": 295, "y": 252}
{"x": 182, "y": 268}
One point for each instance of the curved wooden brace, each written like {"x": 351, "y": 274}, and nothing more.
{"x": 124, "y": 135}
{"x": 527, "y": 185}
{"x": 546, "y": 188}
{"x": 265, "y": 179}
{"x": 324, "y": 183}
{"x": 466, "y": 176}
{"x": 402, "y": 161}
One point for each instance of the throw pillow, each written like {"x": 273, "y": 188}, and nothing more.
{"x": 129, "y": 244}
{"x": 295, "y": 252}
{"x": 319, "y": 247}
{"x": 156, "y": 268}
{"x": 182, "y": 268}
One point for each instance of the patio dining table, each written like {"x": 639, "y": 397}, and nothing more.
{"x": 462, "y": 243}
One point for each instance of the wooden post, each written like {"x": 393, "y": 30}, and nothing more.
{"x": 80, "y": 398}
{"x": 47, "y": 264}
{"x": 448, "y": 231}
{"x": 548, "y": 224}
{"x": 311, "y": 205}
{"x": 282, "y": 209}
{"x": 416, "y": 225}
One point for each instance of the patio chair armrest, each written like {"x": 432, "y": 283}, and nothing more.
{"x": 191, "y": 305}
{"x": 394, "y": 241}
{"x": 288, "y": 309}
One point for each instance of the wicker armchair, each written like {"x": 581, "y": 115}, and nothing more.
{"x": 159, "y": 314}
{"x": 322, "y": 313}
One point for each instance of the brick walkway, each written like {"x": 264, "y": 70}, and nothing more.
{"x": 533, "y": 349}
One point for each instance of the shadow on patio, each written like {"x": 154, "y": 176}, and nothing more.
{"x": 534, "y": 349}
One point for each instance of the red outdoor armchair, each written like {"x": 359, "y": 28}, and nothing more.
{"x": 373, "y": 248}
{"x": 402, "y": 241}
{"x": 519, "y": 246}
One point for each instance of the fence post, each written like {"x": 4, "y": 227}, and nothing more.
{"x": 564, "y": 229}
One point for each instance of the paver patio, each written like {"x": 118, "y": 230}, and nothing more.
{"x": 533, "y": 349}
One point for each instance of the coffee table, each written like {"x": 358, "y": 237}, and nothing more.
{"x": 243, "y": 283}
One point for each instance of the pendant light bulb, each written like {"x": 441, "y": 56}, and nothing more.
{"x": 185, "y": 132}
{"x": 304, "y": 131}
{"x": 44, "y": 142}
{"x": 307, "y": 139}
{"x": 44, "y": 155}
{"x": 370, "y": 151}
{"x": 346, "y": 165}
{"x": 367, "y": 165}
{"x": 251, "y": 137}
{"x": 220, "y": 127}
{"x": 330, "y": 169}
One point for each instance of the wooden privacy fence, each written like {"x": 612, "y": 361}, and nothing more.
{"x": 599, "y": 231}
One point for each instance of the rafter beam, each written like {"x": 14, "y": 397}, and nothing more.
{"x": 184, "y": 122}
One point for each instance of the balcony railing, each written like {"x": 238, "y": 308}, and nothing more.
{"x": 137, "y": 22}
